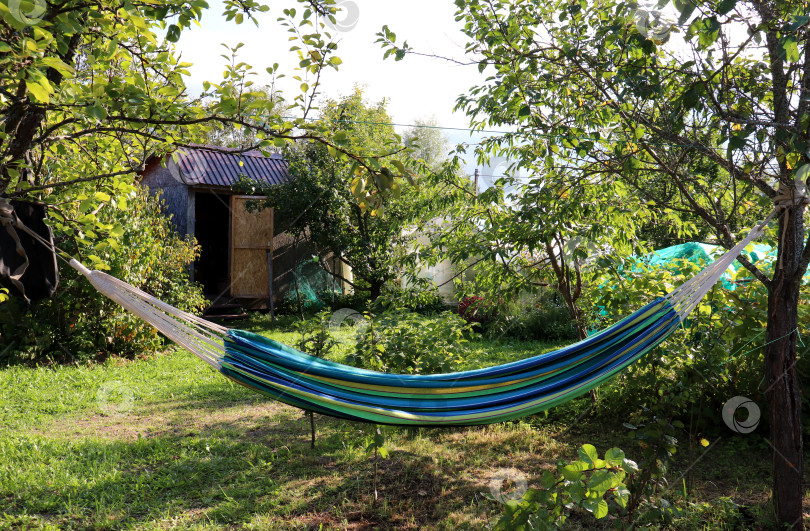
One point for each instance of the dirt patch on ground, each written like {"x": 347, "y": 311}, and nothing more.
{"x": 256, "y": 422}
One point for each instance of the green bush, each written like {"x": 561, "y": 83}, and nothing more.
{"x": 315, "y": 338}
{"x": 400, "y": 341}
{"x": 79, "y": 323}
{"x": 356, "y": 301}
{"x": 596, "y": 485}
{"x": 416, "y": 298}
{"x": 717, "y": 353}
{"x": 542, "y": 318}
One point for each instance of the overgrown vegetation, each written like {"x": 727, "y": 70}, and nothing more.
{"x": 404, "y": 342}
{"x": 80, "y": 324}
{"x": 543, "y": 317}
{"x": 315, "y": 335}
{"x": 589, "y": 483}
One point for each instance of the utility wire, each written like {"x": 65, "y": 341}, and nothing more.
{"x": 537, "y": 135}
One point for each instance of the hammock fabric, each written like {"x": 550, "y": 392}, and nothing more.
{"x": 481, "y": 396}
{"x": 27, "y": 269}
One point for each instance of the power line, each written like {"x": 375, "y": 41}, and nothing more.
{"x": 536, "y": 135}
{"x": 417, "y": 126}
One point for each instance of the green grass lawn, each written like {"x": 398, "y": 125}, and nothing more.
{"x": 167, "y": 443}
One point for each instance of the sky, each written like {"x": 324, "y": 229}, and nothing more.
{"x": 415, "y": 88}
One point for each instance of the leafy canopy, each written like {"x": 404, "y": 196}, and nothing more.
{"x": 327, "y": 198}
{"x": 89, "y": 89}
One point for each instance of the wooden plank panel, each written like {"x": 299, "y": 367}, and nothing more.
{"x": 251, "y": 235}
{"x": 249, "y": 276}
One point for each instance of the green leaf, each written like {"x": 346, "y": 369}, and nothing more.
{"x": 58, "y": 65}
{"x": 686, "y": 7}
{"x": 358, "y": 186}
{"x": 341, "y": 137}
{"x": 802, "y": 173}
{"x": 40, "y": 92}
{"x": 573, "y": 471}
{"x": 96, "y": 111}
{"x": 601, "y": 482}
{"x": 709, "y": 31}
{"x": 614, "y": 456}
{"x": 621, "y": 495}
{"x": 690, "y": 98}
{"x": 629, "y": 466}
{"x": 548, "y": 480}
{"x": 577, "y": 492}
{"x": 790, "y": 48}
{"x": 601, "y": 509}
{"x": 737, "y": 141}
{"x": 173, "y": 34}
{"x": 724, "y": 6}
{"x": 399, "y": 166}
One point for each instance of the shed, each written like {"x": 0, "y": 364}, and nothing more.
{"x": 241, "y": 251}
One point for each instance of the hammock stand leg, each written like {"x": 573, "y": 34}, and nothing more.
{"x": 312, "y": 428}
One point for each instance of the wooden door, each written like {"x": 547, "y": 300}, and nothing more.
{"x": 251, "y": 249}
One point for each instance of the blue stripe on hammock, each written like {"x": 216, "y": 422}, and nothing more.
{"x": 444, "y": 407}
{"x": 298, "y": 361}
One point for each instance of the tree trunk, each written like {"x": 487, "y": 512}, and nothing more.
{"x": 24, "y": 119}
{"x": 576, "y": 314}
{"x": 783, "y": 391}
{"x": 375, "y": 289}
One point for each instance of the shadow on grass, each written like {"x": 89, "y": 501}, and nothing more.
{"x": 226, "y": 473}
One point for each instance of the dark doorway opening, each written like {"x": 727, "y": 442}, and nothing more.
{"x": 211, "y": 227}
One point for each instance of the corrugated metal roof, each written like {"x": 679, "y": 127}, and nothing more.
{"x": 210, "y": 166}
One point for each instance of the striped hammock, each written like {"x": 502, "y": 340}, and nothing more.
{"x": 481, "y": 396}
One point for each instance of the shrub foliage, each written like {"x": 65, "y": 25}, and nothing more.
{"x": 79, "y": 323}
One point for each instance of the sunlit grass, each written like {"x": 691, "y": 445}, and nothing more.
{"x": 168, "y": 443}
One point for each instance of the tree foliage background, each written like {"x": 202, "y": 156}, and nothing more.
{"x": 321, "y": 203}
{"x": 89, "y": 90}
{"x": 696, "y": 112}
